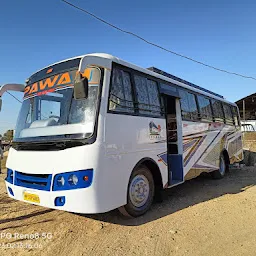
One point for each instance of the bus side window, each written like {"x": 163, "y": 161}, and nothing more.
{"x": 188, "y": 105}
{"x": 147, "y": 96}
{"x": 228, "y": 114}
{"x": 205, "y": 108}
{"x": 120, "y": 97}
{"x": 235, "y": 115}
{"x": 217, "y": 110}
{"x": 154, "y": 99}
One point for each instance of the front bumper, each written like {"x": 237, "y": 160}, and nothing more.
{"x": 78, "y": 200}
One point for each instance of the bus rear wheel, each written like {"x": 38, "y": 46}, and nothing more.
{"x": 140, "y": 193}
{"x": 219, "y": 174}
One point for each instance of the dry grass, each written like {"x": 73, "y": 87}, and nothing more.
{"x": 249, "y": 139}
{"x": 3, "y": 163}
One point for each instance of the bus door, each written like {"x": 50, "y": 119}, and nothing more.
{"x": 174, "y": 139}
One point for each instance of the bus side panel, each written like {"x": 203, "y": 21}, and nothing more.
{"x": 197, "y": 138}
{"x": 128, "y": 139}
{"x": 203, "y": 143}
{"x": 234, "y": 146}
{"x": 219, "y": 144}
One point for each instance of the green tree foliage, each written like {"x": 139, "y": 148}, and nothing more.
{"x": 8, "y": 135}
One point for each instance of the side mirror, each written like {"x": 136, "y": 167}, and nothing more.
{"x": 81, "y": 88}
{"x": 10, "y": 87}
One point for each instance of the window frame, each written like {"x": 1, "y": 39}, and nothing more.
{"x": 132, "y": 94}
{"x": 197, "y": 106}
{"x": 132, "y": 73}
{"x": 199, "y": 109}
{"x": 217, "y": 119}
{"x": 228, "y": 121}
{"x": 235, "y": 107}
{"x": 159, "y": 98}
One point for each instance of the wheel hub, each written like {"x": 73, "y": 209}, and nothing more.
{"x": 139, "y": 190}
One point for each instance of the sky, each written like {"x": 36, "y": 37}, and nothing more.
{"x": 35, "y": 34}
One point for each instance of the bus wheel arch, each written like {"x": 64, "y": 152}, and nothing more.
{"x": 157, "y": 176}
{"x": 148, "y": 170}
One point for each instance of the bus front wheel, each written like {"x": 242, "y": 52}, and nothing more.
{"x": 219, "y": 174}
{"x": 140, "y": 193}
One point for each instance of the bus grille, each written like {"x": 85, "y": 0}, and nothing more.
{"x": 34, "y": 181}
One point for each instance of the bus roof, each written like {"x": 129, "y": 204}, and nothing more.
{"x": 153, "y": 72}
{"x": 161, "y": 72}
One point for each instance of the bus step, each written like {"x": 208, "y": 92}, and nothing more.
{"x": 176, "y": 182}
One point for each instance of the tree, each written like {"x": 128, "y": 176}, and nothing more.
{"x": 8, "y": 135}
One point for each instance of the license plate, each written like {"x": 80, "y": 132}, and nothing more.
{"x": 31, "y": 198}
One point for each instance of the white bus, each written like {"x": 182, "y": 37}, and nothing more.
{"x": 96, "y": 133}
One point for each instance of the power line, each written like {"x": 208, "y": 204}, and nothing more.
{"x": 14, "y": 97}
{"x": 156, "y": 45}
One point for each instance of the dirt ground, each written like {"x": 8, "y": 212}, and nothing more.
{"x": 201, "y": 217}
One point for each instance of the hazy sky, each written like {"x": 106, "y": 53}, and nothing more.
{"x": 221, "y": 33}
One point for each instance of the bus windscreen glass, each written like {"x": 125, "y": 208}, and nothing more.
{"x": 49, "y": 110}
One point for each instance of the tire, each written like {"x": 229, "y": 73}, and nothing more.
{"x": 219, "y": 174}
{"x": 140, "y": 193}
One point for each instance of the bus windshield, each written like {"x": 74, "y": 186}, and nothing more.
{"x": 50, "y": 112}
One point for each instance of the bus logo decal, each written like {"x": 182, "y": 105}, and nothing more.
{"x": 49, "y": 84}
{"x": 154, "y": 130}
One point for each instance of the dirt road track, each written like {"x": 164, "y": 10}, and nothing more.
{"x": 200, "y": 217}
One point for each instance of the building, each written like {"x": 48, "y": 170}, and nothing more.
{"x": 247, "y": 109}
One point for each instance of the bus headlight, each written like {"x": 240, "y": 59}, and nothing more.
{"x": 9, "y": 176}
{"x": 72, "y": 180}
{"x": 60, "y": 181}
